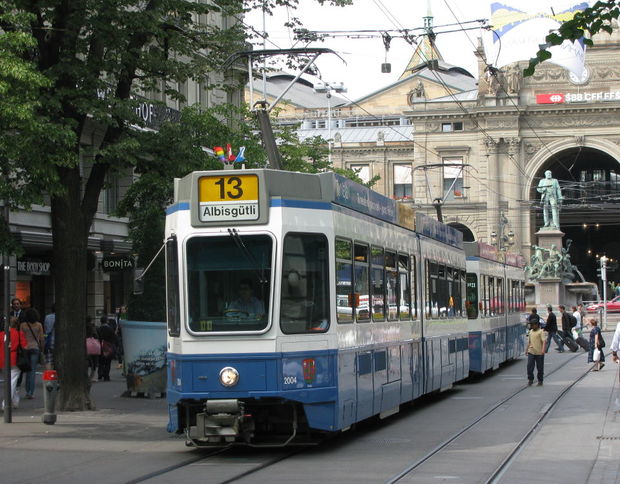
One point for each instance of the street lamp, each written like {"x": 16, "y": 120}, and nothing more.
{"x": 327, "y": 88}
{"x": 604, "y": 261}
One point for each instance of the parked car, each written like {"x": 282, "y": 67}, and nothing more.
{"x": 613, "y": 305}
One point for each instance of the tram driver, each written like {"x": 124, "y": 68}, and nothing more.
{"x": 246, "y": 305}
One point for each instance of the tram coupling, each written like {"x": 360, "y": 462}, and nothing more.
{"x": 223, "y": 422}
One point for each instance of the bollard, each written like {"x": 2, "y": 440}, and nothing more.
{"x": 50, "y": 392}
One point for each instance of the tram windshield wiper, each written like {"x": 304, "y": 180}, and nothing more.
{"x": 258, "y": 268}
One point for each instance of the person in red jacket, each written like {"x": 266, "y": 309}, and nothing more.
{"x": 18, "y": 338}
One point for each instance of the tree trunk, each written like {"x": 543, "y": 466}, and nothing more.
{"x": 70, "y": 229}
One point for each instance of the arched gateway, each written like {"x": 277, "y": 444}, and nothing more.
{"x": 589, "y": 173}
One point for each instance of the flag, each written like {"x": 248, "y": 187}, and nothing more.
{"x": 519, "y": 32}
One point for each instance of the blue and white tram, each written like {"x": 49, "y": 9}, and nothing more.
{"x": 302, "y": 303}
{"x": 495, "y": 301}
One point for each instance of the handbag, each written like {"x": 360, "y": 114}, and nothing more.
{"x": 596, "y": 356}
{"x": 23, "y": 360}
{"x": 575, "y": 334}
{"x": 601, "y": 341}
{"x": 107, "y": 349}
{"x": 93, "y": 346}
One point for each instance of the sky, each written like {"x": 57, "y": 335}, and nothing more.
{"x": 361, "y": 70}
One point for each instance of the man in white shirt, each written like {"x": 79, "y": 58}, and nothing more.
{"x": 615, "y": 343}
{"x": 577, "y": 316}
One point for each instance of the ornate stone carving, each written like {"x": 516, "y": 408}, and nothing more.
{"x": 490, "y": 146}
{"x": 531, "y": 148}
{"x": 580, "y": 140}
{"x": 513, "y": 145}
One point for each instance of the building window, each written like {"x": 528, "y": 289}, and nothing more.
{"x": 450, "y": 127}
{"x": 403, "y": 180}
{"x": 112, "y": 194}
{"x": 452, "y": 178}
{"x": 363, "y": 172}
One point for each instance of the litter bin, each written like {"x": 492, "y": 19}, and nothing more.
{"x": 144, "y": 346}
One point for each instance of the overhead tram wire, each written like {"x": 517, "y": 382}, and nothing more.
{"x": 494, "y": 74}
{"x": 458, "y": 103}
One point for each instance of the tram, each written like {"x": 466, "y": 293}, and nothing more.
{"x": 300, "y": 304}
{"x": 495, "y": 305}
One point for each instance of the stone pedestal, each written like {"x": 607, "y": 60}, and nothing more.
{"x": 546, "y": 238}
{"x": 549, "y": 291}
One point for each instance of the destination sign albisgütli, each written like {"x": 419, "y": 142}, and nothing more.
{"x": 228, "y": 198}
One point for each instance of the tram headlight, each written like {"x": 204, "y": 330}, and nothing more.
{"x": 229, "y": 377}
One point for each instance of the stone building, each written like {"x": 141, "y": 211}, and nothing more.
{"x": 478, "y": 148}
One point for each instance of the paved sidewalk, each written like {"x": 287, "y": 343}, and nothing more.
{"x": 126, "y": 437}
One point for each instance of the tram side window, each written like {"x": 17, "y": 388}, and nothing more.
{"x": 414, "y": 288}
{"x": 404, "y": 289}
{"x": 501, "y": 302}
{"x": 471, "y": 302}
{"x": 484, "y": 285}
{"x": 433, "y": 286}
{"x": 304, "y": 307}
{"x": 442, "y": 291}
{"x": 361, "y": 282}
{"x": 377, "y": 281}
{"x": 492, "y": 297}
{"x": 451, "y": 292}
{"x": 463, "y": 297}
{"x": 391, "y": 285}
{"x": 344, "y": 281}
{"x": 172, "y": 287}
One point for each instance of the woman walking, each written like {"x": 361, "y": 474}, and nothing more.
{"x": 35, "y": 338}
{"x": 596, "y": 340}
{"x": 18, "y": 339}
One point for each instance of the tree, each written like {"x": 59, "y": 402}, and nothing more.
{"x": 95, "y": 55}
{"x": 20, "y": 82}
{"x": 592, "y": 20}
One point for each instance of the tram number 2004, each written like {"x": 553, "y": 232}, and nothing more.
{"x": 290, "y": 380}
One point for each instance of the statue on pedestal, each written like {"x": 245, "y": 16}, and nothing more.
{"x": 551, "y": 198}
{"x": 550, "y": 263}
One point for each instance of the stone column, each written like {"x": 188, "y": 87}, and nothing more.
{"x": 492, "y": 154}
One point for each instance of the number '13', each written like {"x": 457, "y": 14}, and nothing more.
{"x": 235, "y": 188}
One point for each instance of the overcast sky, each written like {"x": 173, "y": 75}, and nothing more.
{"x": 362, "y": 72}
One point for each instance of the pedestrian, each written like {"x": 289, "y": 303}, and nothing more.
{"x": 551, "y": 329}
{"x": 535, "y": 351}
{"x": 533, "y": 317}
{"x": 582, "y": 311}
{"x": 596, "y": 340}
{"x": 108, "y": 347}
{"x": 577, "y": 316}
{"x": 16, "y": 309}
{"x": 615, "y": 343}
{"x": 35, "y": 337}
{"x": 566, "y": 321}
{"x": 18, "y": 340}
{"x": 93, "y": 348}
{"x": 49, "y": 324}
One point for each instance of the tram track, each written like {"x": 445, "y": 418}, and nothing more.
{"x": 218, "y": 453}
{"x": 497, "y": 473}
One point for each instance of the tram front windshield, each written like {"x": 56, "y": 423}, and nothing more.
{"x": 228, "y": 282}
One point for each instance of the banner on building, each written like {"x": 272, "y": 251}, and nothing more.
{"x": 519, "y": 29}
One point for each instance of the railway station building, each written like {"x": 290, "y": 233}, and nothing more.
{"x": 478, "y": 147}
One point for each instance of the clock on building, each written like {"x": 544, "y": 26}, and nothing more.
{"x": 585, "y": 76}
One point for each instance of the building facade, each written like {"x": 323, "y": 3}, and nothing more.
{"x": 478, "y": 147}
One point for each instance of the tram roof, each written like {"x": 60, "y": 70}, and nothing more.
{"x": 310, "y": 188}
